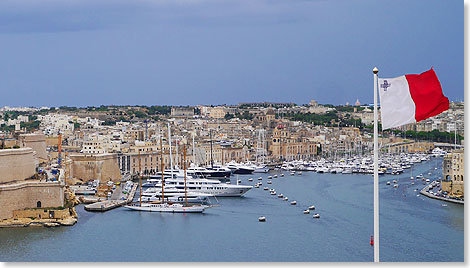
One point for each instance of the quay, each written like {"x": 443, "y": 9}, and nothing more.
{"x": 110, "y": 204}
{"x": 425, "y": 192}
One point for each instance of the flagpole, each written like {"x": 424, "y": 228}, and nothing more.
{"x": 376, "y": 172}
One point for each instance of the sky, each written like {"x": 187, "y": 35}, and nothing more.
{"x": 191, "y": 52}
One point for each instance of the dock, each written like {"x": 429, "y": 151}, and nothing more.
{"x": 110, "y": 204}
{"x": 425, "y": 193}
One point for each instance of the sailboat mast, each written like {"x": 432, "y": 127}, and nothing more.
{"x": 212, "y": 162}
{"x": 184, "y": 166}
{"x": 178, "y": 160}
{"x": 169, "y": 142}
{"x": 194, "y": 156}
{"x": 161, "y": 160}
{"x": 140, "y": 182}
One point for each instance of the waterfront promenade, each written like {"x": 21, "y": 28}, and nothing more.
{"x": 425, "y": 192}
{"x": 115, "y": 202}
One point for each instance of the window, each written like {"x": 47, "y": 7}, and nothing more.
{"x": 38, "y": 204}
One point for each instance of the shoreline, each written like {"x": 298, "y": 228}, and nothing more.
{"x": 425, "y": 193}
{"x": 29, "y": 222}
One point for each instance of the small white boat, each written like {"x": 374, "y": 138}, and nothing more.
{"x": 300, "y": 173}
{"x": 395, "y": 186}
{"x": 270, "y": 182}
{"x": 292, "y": 173}
{"x": 417, "y": 195}
{"x": 311, "y": 207}
{"x": 285, "y": 198}
{"x": 306, "y": 211}
{"x": 273, "y": 193}
{"x": 280, "y": 195}
{"x": 282, "y": 174}
{"x": 266, "y": 188}
{"x": 394, "y": 181}
{"x": 412, "y": 183}
{"x": 256, "y": 186}
{"x": 270, "y": 177}
{"x": 444, "y": 205}
{"x": 293, "y": 203}
{"x": 316, "y": 216}
{"x": 388, "y": 182}
{"x": 262, "y": 218}
{"x": 260, "y": 178}
{"x": 275, "y": 176}
{"x": 428, "y": 180}
{"x": 260, "y": 183}
{"x": 250, "y": 179}
{"x": 412, "y": 178}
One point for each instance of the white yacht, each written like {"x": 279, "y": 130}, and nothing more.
{"x": 237, "y": 168}
{"x": 207, "y": 186}
{"x": 167, "y": 207}
{"x": 176, "y": 198}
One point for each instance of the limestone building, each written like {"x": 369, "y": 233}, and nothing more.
{"x": 37, "y": 142}
{"x": 103, "y": 167}
{"x": 453, "y": 173}
{"x": 182, "y": 112}
{"x": 19, "y": 189}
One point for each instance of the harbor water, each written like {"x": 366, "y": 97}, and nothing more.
{"x": 412, "y": 227}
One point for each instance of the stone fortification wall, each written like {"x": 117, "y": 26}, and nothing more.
{"x": 16, "y": 164}
{"x": 35, "y": 141}
{"x": 29, "y": 195}
{"x": 42, "y": 213}
{"x": 103, "y": 167}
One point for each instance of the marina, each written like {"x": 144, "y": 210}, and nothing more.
{"x": 345, "y": 223}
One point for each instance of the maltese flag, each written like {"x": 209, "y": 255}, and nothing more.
{"x": 410, "y": 98}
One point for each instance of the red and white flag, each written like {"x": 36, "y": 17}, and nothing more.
{"x": 410, "y": 98}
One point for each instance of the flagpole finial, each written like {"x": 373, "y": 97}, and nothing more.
{"x": 375, "y": 70}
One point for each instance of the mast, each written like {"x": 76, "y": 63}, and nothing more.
{"x": 212, "y": 162}
{"x": 194, "y": 156}
{"x": 257, "y": 149}
{"x": 169, "y": 143}
{"x": 161, "y": 160}
{"x": 178, "y": 160}
{"x": 184, "y": 166}
{"x": 140, "y": 182}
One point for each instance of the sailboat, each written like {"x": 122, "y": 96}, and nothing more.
{"x": 165, "y": 206}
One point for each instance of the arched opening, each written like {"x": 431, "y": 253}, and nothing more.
{"x": 38, "y": 204}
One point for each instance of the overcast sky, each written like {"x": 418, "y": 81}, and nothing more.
{"x": 188, "y": 52}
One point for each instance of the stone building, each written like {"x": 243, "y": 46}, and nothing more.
{"x": 217, "y": 112}
{"x": 37, "y": 142}
{"x": 20, "y": 190}
{"x": 290, "y": 146}
{"x": 182, "y": 111}
{"x": 409, "y": 147}
{"x": 103, "y": 167}
{"x": 453, "y": 173}
{"x": 16, "y": 164}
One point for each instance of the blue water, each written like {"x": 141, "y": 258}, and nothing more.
{"x": 412, "y": 228}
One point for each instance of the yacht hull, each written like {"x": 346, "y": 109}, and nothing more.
{"x": 169, "y": 208}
